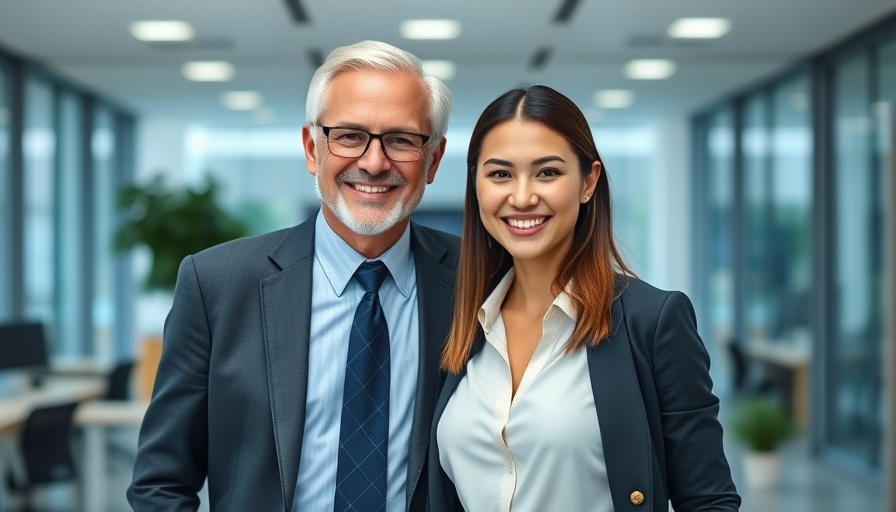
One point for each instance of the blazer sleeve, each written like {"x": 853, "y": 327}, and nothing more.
{"x": 171, "y": 463}
{"x": 697, "y": 472}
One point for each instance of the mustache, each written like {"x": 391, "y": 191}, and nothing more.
{"x": 388, "y": 178}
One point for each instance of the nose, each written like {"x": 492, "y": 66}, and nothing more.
{"x": 523, "y": 196}
{"x": 374, "y": 160}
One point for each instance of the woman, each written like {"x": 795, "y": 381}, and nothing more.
{"x": 572, "y": 386}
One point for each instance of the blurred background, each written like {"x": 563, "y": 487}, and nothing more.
{"x": 749, "y": 147}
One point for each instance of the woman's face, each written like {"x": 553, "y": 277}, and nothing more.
{"x": 530, "y": 187}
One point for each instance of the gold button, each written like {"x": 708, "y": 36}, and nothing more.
{"x": 637, "y": 498}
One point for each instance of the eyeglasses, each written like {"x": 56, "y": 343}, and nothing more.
{"x": 352, "y": 143}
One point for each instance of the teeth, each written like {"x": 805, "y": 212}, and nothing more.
{"x": 526, "y": 223}
{"x": 371, "y": 189}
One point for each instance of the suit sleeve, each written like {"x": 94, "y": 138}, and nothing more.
{"x": 171, "y": 463}
{"x": 697, "y": 472}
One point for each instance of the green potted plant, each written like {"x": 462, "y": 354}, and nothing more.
{"x": 172, "y": 223}
{"x": 762, "y": 426}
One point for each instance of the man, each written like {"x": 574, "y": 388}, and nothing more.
{"x": 259, "y": 387}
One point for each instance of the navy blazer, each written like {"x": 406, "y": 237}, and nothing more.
{"x": 229, "y": 396}
{"x": 658, "y": 416}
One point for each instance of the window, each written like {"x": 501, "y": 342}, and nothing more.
{"x": 71, "y": 318}
{"x": 6, "y": 246}
{"x": 39, "y": 148}
{"x": 720, "y": 213}
{"x": 789, "y": 233}
{"x": 855, "y": 353}
{"x": 757, "y": 203}
{"x": 103, "y": 153}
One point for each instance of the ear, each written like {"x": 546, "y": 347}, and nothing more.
{"x": 592, "y": 178}
{"x": 436, "y": 158}
{"x": 310, "y": 146}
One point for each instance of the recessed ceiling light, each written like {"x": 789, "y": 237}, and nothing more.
{"x": 208, "y": 71}
{"x": 614, "y": 98}
{"x": 649, "y": 69}
{"x": 441, "y": 69}
{"x": 241, "y": 100}
{"x": 430, "y": 29}
{"x": 699, "y": 28}
{"x": 162, "y": 30}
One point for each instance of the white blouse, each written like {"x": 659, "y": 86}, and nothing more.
{"x": 540, "y": 451}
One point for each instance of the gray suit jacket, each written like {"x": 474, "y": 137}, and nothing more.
{"x": 229, "y": 396}
{"x": 652, "y": 391}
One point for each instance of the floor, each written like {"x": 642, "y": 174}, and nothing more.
{"x": 805, "y": 486}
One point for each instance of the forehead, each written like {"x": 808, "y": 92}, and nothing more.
{"x": 377, "y": 100}
{"x": 521, "y": 140}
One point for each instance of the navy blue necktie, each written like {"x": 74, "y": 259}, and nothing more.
{"x": 364, "y": 432}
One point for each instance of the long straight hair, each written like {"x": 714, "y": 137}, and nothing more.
{"x": 589, "y": 268}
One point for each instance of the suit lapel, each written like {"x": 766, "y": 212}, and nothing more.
{"x": 623, "y": 421}
{"x": 435, "y": 298}
{"x": 286, "y": 313}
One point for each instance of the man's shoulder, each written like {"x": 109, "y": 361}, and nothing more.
{"x": 449, "y": 240}
{"x": 264, "y": 243}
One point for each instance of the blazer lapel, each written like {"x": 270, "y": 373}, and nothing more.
{"x": 286, "y": 313}
{"x": 435, "y": 298}
{"x": 624, "y": 429}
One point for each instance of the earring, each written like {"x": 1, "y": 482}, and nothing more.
{"x": 585, "y": 200}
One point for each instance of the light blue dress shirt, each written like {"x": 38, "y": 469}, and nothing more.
{"x": 334, "y": 297}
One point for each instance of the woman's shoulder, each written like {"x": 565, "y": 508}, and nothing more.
{"x": 635, "y": 293}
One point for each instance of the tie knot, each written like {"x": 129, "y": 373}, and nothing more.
{"x": 371, "y": 274}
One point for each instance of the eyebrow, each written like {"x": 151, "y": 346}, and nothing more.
{"x": 537, "y": 161}
{"x": 356, "y": 126}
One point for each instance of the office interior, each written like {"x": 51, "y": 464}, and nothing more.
{"x": 753, "y": 171}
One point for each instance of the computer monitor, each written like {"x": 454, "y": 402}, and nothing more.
{"x": 23, "y": 347}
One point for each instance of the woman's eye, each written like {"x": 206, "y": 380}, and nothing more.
{"x": 498, "y": 174}
{"x": 549, "y": 172}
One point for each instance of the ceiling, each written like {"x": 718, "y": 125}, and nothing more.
{"x": 88, "y": 42}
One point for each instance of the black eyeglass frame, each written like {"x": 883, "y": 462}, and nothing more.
{"x": 371, "y": 137}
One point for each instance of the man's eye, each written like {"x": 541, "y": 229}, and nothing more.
{"x": 349, "y": 136}
{"x": 403, "y": 141}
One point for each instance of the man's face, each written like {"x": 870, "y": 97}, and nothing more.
{"x": 371, "y": 194}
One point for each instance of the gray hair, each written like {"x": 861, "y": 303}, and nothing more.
{"x": 379, "y": 56}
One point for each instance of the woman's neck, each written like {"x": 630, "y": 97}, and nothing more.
{"x": 531, "y": 288}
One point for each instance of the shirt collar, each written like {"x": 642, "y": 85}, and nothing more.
{"x": 491, "y": 308}
{"x": 339, "y": 260}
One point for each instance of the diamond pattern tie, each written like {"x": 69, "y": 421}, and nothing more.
{"x": 364, "y": 432}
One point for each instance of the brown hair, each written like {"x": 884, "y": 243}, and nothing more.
{"x": 591, "y": 265}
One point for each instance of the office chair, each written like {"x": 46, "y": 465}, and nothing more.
{"x": 119, "y": 382}
{"x": 45, "y": 444}
{"x": 119, "y": 389}
{"x": 755, "y": 378}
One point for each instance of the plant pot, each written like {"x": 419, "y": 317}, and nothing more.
{"x": 762, "y": 469}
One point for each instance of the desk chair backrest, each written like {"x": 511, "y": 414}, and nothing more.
{"x": 46, "y": 444}
{"x": 120, "y": 382}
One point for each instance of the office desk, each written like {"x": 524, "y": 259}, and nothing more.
{"x": 15, "y": 408}
{"x": 795, "y": 356}
{"x": 79, "y": 367}
{"x": 95, "y": 417}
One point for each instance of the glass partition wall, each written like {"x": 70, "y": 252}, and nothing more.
{"x": 794, "y": 196}
{"x": 5, "y": 191}
{"x": 62, "y": 159}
